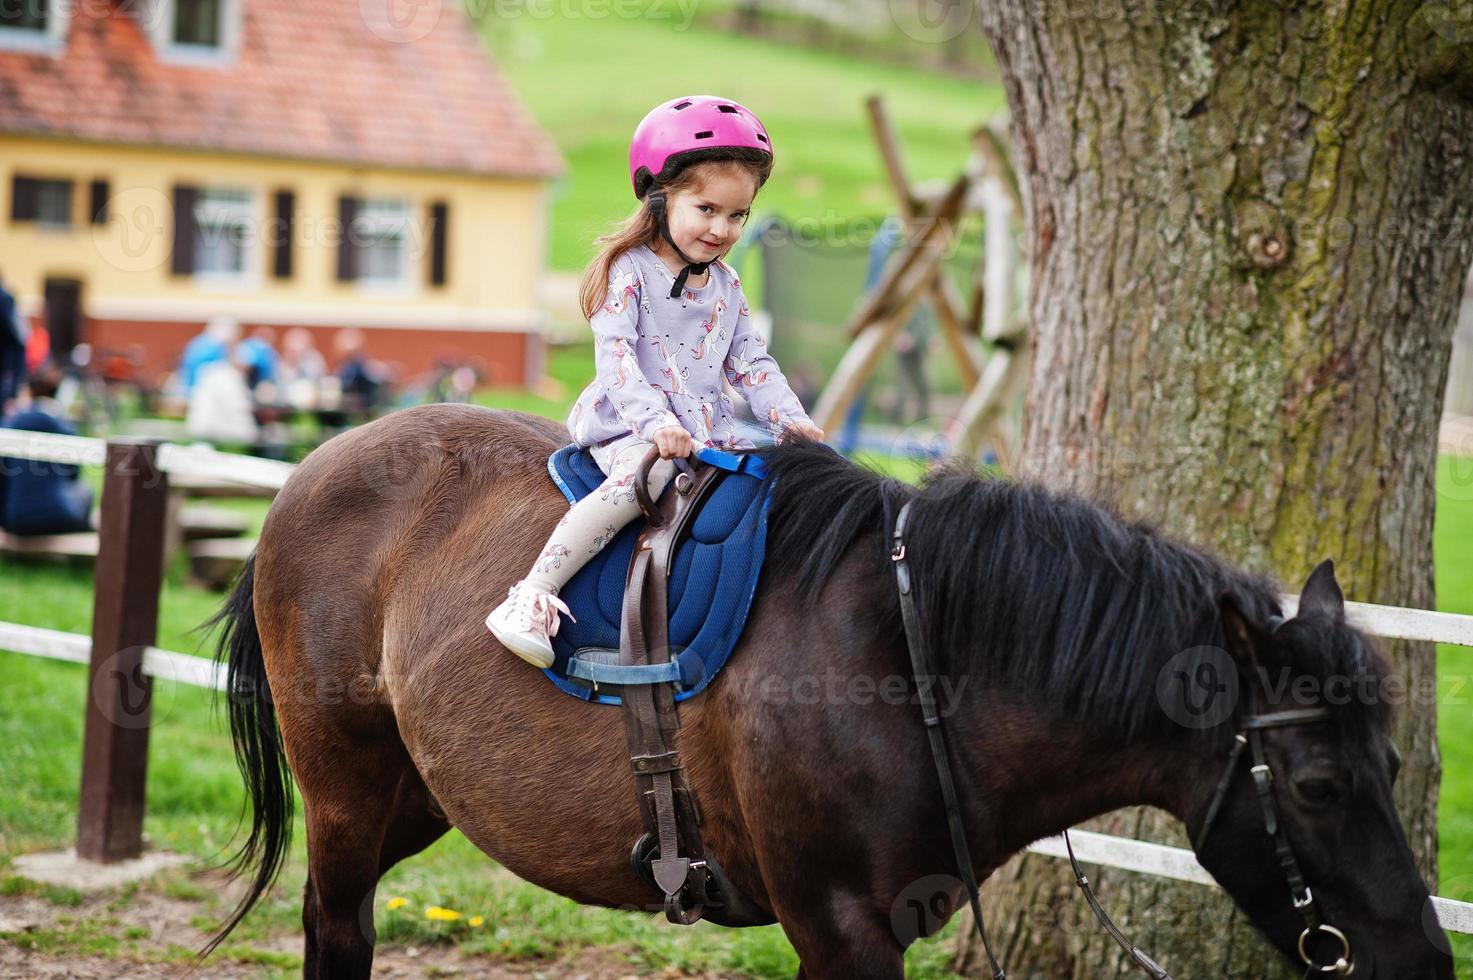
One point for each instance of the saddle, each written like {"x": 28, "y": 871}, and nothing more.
{"x": 712, "y": 581}
{"x": 646, "y": 674}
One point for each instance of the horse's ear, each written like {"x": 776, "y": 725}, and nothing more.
{"x": 1246, "y": 642}
{"x": 1322, "y": 593}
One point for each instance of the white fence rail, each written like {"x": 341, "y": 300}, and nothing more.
{"x": 1182, "y": 865}
{"x": 199, "y": 462}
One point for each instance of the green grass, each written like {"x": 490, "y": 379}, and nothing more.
{"x": 827, "y": 167}
{"x": 1452, "y": 532}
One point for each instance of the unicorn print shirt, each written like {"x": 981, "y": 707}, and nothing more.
{"x": 662, "y": 361}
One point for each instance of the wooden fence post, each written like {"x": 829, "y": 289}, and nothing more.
{"x": 130, "y": 567}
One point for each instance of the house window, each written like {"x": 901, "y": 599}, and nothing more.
{"x": 54, "y": 203}
{"x": 45, "y": 201}
{"x": 23, "y": 15}
{"x": 223, "y": 219}
{"x": 33, "y": 25}
{"x": 381, "y": 238}
{"x": 197, "y": 22}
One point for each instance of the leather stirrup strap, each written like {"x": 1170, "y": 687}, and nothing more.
{"x": 667, "y": 803}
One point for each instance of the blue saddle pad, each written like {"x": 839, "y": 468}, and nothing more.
{"x": 712, "y": 579}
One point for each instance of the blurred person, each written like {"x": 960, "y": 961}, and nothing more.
{"x": 359, "y": 377}
{"x": 913, "y": 341}
{"x": 211, "y": 345}
{"x": 301, "y": 369}
{"x": 38, "y": 347}
{"x": 258, "y": 353}
{"x": 37, "y": 497}
{"x": 220, "y": 405}
{"x": 14, "y": 334}
{"x": 300, "y": 358}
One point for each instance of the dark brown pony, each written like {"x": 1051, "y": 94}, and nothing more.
{"x": 357, "y": 655}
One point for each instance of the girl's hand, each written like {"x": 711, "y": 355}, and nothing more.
{"x": 673, "y": 441}
{"x": 801, "y": 430}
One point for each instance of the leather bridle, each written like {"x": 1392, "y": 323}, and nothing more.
{"x": 1249, "y": 736}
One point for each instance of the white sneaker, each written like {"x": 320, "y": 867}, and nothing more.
{"x": 526, "y": 622}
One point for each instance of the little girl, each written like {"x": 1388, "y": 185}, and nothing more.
{"x": 669, "y": 324}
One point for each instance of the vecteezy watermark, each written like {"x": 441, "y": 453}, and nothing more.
{"x": 136, "y": 235}
{"x": 408, "y": 21}
{"x": 836, "y": 688}
{"x": 139, "y": 234}
{"x": 1198, "y": 688}
{"x": 933, "y": 21}
{"x": 923, "y": 906}
{"x": 681, "y": 12}
{"x": 401, "y": 21}
{"x": 125, "y": 695}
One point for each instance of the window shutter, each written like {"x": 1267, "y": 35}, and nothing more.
{"x": 286, "y": 234}
{"x": 23, "y": 203}
{"x": 347, "y": 251}
{"x": 439, "y": 215}
{"x": 182, "y": 263}
{"x": 99, "y": 202}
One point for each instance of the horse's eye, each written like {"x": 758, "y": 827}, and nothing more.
{"x": 1315, "y": 792}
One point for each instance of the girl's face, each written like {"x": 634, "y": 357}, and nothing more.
{"x": 705, "y": 222}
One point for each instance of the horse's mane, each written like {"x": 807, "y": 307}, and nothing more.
{"x": 1055, "y": 595}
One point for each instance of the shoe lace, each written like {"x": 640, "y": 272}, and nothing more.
{"x": 539, "y": 610}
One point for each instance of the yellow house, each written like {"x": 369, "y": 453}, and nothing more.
{"x": 324, "y": 164}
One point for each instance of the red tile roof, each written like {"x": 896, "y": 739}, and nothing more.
{"x": 318, "y": 79}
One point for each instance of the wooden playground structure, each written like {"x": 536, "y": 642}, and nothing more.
{"x": 983, "y": 334}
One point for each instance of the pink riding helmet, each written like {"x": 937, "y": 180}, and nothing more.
{"x": 679, "y": 132}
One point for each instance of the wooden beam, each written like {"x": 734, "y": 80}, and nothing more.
{"x": 859, "y": 363}
{"x": 963, "y": 343}
{"x": 985, "y": 404}
{"x": 922, "y": 239}
{"x": 947, "y": 307}
{"x": 130, "y": 567}
{"x": 890, "y": 155}
{"x": 993, "y": 148}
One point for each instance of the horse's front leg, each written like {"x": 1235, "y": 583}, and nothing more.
{"x": 843, "y": 939}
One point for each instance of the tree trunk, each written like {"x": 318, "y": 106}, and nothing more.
{"x": 1249, "y": 225}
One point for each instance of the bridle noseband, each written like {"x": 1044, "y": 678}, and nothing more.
{"x": 1250, "y": 736}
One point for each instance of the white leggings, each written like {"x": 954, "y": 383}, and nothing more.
{"x": 592, "y": 522}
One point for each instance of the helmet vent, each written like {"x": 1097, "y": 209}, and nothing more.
{"x": 729, "y": 108}
{"x": 705, "y": 134}
{"x": 683, "y": 105}
{"x": 761, "y": 137}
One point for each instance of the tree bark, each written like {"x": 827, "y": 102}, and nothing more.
{"x": 1249, "y": 224}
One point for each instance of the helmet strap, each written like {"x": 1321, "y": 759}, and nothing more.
{"x": 657, "y": 206}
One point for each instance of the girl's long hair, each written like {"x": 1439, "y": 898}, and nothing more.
{"x": 642, "y": 228}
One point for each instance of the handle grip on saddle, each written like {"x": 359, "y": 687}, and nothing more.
{"x": 641, "y": 483}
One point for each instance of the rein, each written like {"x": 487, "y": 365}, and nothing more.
{"x": 1249, "y": 736}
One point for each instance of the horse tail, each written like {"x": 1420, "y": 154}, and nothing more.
{"x": 258, "y": 749}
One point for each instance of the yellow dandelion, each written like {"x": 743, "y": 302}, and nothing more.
{"x": 477, "y": 921}
{"x": 438, "y": 914}
{"x": 397, "y": 903}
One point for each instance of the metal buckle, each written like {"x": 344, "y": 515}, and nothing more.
{"x": 1306, "y": 901}
{"x": 1343, "y": 964}
{"x": 683, "y": 483}
{"x": 1264, "y": 770}
{"x": 898, "y": 554}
